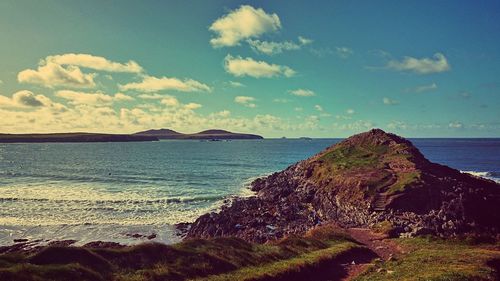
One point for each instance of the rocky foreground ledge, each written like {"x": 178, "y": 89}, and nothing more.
{"x": 370, "y": 180}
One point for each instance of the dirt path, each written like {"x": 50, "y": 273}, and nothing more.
{"x": 378, "y": 243}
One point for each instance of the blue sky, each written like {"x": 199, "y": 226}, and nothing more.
{"x": 294, "y": 68}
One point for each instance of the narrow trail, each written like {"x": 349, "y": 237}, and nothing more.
{"x": 378, "y": 243}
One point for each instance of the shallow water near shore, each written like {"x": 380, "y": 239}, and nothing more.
{"x": 111, "y": 191}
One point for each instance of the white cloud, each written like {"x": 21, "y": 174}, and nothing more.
{"x": 192, "y": 106}
{"x": 344, "y": 52}
{"x": 389, "y": 101}
{"x": 298, "y": 109}
{"x": 52, "y": 75}
{"x": 425, "y": 88}
{"x": 318, "y": 107}
{"x": 243, "y": 23}
{"x": 239, "y": 66}
{"x": 272, "y": 48}
{"x": 356, "y": 126}
{"x": 94, "y": 62}
{"x": 153, "y": 84}
{"x": 321, "y": 52}
{"x": 456, "y": 125}
{"x": 235, "y": 84}
{"x": 79, "y": 98}
{"x": 64, "y": 70}
{"x": 24, "y": 99}
{"x": 170, "y": 101}
{"x": 343, "y": 117}
{"x": 397, "y": 125}
{"x": 438, "y": 63}
{"x": 305, "y": 41}
{"x": 350, "y": 111}
{"x": 281, "y": 100}
{"x": 154, "y": 96}
{"x": 246, "y": 101}
{"x": 302, "y": 93}
{"x": 223, "y": 113}
{"x": 123, "y": 97}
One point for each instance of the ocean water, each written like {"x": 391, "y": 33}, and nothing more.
{"x": 110, "y": 191}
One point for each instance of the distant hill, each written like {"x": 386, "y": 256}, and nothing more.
{"x": 72, "y": 137}
{"x": 203, "y": 135}
{"x": 161, "y": 133}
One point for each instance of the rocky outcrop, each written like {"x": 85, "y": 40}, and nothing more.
{"x": 362, "y": 181}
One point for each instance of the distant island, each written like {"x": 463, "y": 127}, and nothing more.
{"x": 73, "y": 137}
{"x": 203, "y": 135}
{"x": 149, "y": 135}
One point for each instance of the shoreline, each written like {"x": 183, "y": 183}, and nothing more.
{"x": 131, "y": 235}
{"x": 128, "y": 235}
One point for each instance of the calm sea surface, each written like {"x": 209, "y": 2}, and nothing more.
{"x": 108, "y": 191}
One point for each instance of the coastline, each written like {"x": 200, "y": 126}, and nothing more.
{"x": 124, "y": 235}
{"x": 27, "y": 237}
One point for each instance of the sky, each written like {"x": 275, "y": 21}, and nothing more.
{"x": 275, "y": 68}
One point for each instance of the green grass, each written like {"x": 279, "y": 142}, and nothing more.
{"x": 368, "y": 163}
{"x": 191, "y": 259}
{"x": 347, "y": 157}
{"x": 302, "y": 264}
{"x": 436, "y": 259}
{"x": 383, "y": 227}
{"x": 404, "y": 180}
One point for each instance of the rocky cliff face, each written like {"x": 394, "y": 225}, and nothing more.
{"x": 364, "y": 180}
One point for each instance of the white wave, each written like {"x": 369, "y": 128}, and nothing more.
{"x": 486, "y": 175}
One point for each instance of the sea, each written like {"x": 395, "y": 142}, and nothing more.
{"x": 125, "y": 192}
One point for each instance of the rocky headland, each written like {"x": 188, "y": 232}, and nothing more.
{"x": 372, "y": 179}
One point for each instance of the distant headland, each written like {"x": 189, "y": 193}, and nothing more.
{"x": 72, "y": 137}
{"x": 203, "y": 135}
{"x": 149, "y": 135}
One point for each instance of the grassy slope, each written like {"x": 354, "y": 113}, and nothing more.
{"x": 371, "y": 161}
{"x": 435, "y": 259}
{"x": 191, "y": 259}
{"x": 318, "y": 254}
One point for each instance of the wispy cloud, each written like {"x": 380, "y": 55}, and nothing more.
{"x": 456, "y": 125}
{"x": 272, "y": 48}
{"x": 154, "y": 84}
{"x": 344, "y": 52}
{"x": 302, "y": 93}
{"x": 239, "y": 66}
{"x": 281, "y": 100}
{"x": 389, "y": 101}
{"x": 170, "y": 101}
{"x": 246, "y": 101}
{"x": 192, "y": 106}
{"x": 438, "y": 63}
{"x": 425, "y": 88}
{"x": 94, "y": 98}
{"x": 94, "y": 62}
{"x": 236, "y": 84}
{"x": 242, "y": 23}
